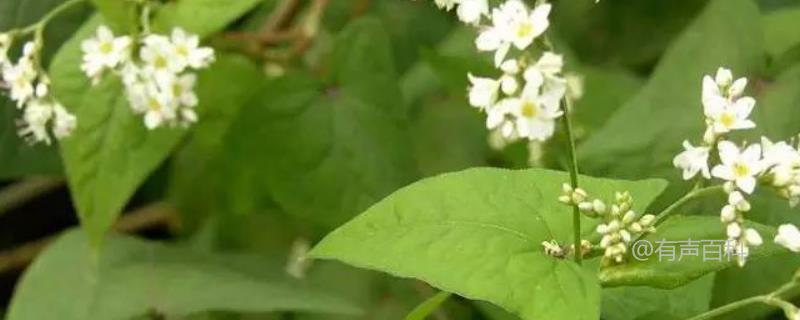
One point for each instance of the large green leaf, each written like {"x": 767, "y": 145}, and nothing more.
{"x": 780, "y": 30}
{"x": 631, "y": 303}
{"x": 197, "y": 179}
{"x": 111, "y": 152}
{"x": 644, "y": 135}
{"x": 202, "y": 17}
{"x": 19, "y": 158}
{"x": 778, "y": 111}
{"x": 325, "y": 151}
{"x": 662, "y": 269}
{"x": 478, "y": 233}
{"x": 132, "y": 277}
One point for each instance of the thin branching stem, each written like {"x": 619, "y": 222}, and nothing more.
{"x": 772, "y": 299}
{"x": 573, "y": 177}
{"x": 695, "y": 193}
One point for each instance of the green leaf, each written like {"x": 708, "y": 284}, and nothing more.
{"x": 428, "y": 306}
{"x": 132, "y": 277}
{"x": 111, "y": 152}
{"x": 777, "y": 111}
{"x": 631, "y": 303}
{"x": 325, "y": 152}
{"x": 478, "y": 234}
{"x": 654, "y": 269}
{"x": 780, "y": 30}
{"x": 120, "y": 14}
{"x": 642, "y": 138}
{"x": 197, "y": 177}
{"x": 202, "y": 17}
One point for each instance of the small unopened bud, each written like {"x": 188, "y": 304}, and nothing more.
{"x": 635, "y": 227}
{"x": 734, "y": 230}
{"x": 615, "y": 210}
{"x": 729, "y": 187}
{"x": 602, "y": 228}
{"x": 728, "y": 214}
{"x": 647, "y": 220}
{"x": 628, "y": 217}
{"x": 625, "y": 235}
{"x": 709, "y": 137}
{"x": 566, "y": 188}
{"x": 565, "y": 199}
{"x": 599, "y": 206}
{"x": 579, "y": 195}
{"x": 752, "y": 237}
{"x": 586, "y": 207}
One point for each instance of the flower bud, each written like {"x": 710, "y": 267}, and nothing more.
{"x": 728, "y": 214}
{"x": 734, "y": 231}
{"x": 586, "y": 207}
{"x": 628, "y": 217}
{"x": 635, "y": 227}
{"x": 599, "y": 206}
{"x": 647, "y": 220}
{"x": 565, "y": 199}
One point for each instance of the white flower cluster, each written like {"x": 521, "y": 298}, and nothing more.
{"x": 621, "y": 225}
{"x": 776, "y": 165}
{"x": 159, "y": 80}
{"x": 525, "y": 101}
{"x": 29, "y": 86}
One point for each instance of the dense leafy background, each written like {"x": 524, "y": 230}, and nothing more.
{"x": 377, "y": 103}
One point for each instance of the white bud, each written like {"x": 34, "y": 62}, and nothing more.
{"x": 729, "y": 187}
{"x": 647, "y": 220}
{"x": 566, "y": 188}
{"x": 728, "y": 214}
{"x": 565, "y": 199}
{"x": 509, "y": 85}
{"x": 510, "y": 67}
{"x": 579, "y": 195}
{"x": 602, "y": 228}
{"x": 606, "y": 241}
{"x": 635, "y": 227}
{"x": 628, "y": 217}
{"x": 613, "y": 226}
{"x": 585, "y": 206}
{"x": 734, "y": 231}
{"x": 599, "y": 206}
{"x": 752, "y": 237}
{"x": 625, "y": 235}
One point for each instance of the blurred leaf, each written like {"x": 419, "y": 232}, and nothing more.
{"x": 780, "y": 30}
{"x": 19, "y": 158}
{"x": 325, "y": 152}
{"x": 493, "y": 312}
{"x": 197, "y": 179}
{"x": 642, "y": 138}
{"x": 778, "y": 107}
{"x": 202, "y": 17}
{"x": 605, "y": 91}
{"x": 649, "y": 268}
{"x": 631, "y": 303}
{"x": 133, "y": 277}
{"x": 628, "y": 33}
{"x": 121, "y": 15}
{"x": 492, "y": 254}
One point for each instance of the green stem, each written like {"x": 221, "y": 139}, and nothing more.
{"x": 771, "y": 299}
{"x": 695, "y": 193}
{"x": 42, "y": 23}
{"x": 428, "y": 306}
{"x": 573, "y": 177}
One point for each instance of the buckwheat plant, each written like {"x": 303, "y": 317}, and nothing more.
{"x": 27, "y": 83}
{"x": 157, "y": 70}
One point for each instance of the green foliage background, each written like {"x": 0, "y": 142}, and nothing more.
{"x": 376, "y": 104}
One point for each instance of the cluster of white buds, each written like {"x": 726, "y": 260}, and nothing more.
{"x": 29, "y": 86}
{"x": 620, "y": 226}
{"x": 159, "y": 79}
{"x": 739, "y": 238}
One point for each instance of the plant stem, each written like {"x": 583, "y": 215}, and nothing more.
{"x": 771, "y": 299}
{"x": 18, "y": 193}
{"x": 695, "y": 193}
{"x": 573, "y": 176}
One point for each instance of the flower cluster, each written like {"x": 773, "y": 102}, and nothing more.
{"x": 621, "y": 225}
{"x": 159, "y": 79}
{"x": 29, "y": 87}
{"x": 741, "y": 167}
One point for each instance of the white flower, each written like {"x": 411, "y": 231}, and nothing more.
{"x": 693, "y": 160}
{"x": 789, "y": 237}
{"x": 535, "y": 114}
{"x": 159, "y": 110}
{"x": 779, "y": 153}
{"x": 37, "y": 114}
{"x": 188, "y": 52}
{"x": 103, "y": 51}
{"x": 482, "y": 92}
{"x": 739, "y": 167}
{"x": 160, "y": 58}
{"x": 546, "y": 70}
{"x": 722, "y": 86}
{"x": 182, "y": 90}
{"x": 470, "y": 11}
{"x": 497, "y": 118}
{"x": 64, "y": 123}
{"x": 727, "y": 116}
{"x": 513, "y": 24}
{"x": 20, "y": 79}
